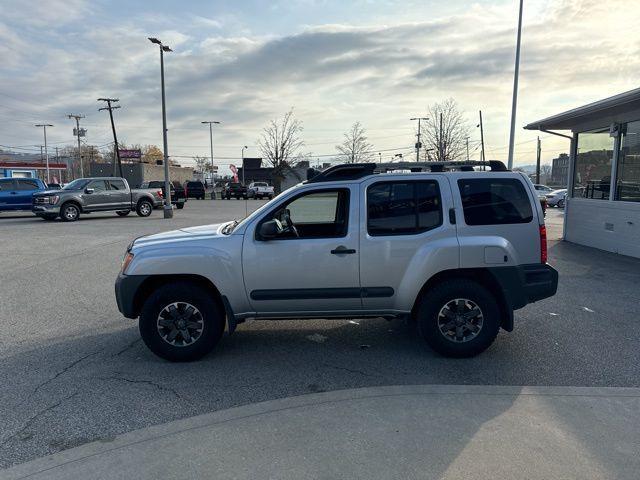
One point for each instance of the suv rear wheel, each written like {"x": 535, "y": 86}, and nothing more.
{"x": 459, "y": 318}
{"x": 180, "y": 322}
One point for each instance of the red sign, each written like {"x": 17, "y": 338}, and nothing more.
{"x": 130, "y": 153}
{"x": 234, "y": 170}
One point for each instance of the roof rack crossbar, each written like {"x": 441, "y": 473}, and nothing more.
{"x": 354, "y": 171}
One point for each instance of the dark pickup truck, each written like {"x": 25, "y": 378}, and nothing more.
{"x": 178, "y": 197}
{"x": 99, "y": 194}
{"x": 234, "y": 189}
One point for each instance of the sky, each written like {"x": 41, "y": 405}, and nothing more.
{"x": 244, "y": 63}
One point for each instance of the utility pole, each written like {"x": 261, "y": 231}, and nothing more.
{"x": 46, "y": 152}
{"x": 514, "y": 101}
{"x": 113, "y": 128}
{"x": 78, "y": 117}
{"x": 538, "y": 152}
{"x": 380, "y": 157}
{"x": 440, "y": 142}
{"x": 211, "y": 123}
{"x": 467, "y": 140}
{"x": 168, "y": 209}
{"x": 482, "y": 158}
{"x": 246, "y": 213}
{"x": 418, "y": 144}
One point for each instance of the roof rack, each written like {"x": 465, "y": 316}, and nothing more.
{"x": 354, "y": 171}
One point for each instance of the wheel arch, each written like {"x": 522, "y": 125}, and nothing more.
{"x": 480, "y": 275}
{"x": 153, "y": 282}
{"x": 73, "y": 201}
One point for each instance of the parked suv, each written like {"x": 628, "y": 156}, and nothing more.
{"x": 455, "y": 251}
{"x": 195, "y": 189}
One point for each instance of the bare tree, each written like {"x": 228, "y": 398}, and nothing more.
{"x": 545, "y": 169}
{"x": 280, "y": 145}
{"x": 355, "y": 147}
{"x": 444, "y": 132}
{"x": 203, "y": 164}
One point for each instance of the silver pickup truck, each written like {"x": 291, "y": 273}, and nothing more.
{"x": 99, "y": 194}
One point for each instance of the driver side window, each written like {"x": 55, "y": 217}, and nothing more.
{"x": 317, "y": 214}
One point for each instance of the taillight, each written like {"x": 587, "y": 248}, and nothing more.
{"x": 543, "y": 244}
{"x": 186, "y": 192}
{"x": 160, "y": 194}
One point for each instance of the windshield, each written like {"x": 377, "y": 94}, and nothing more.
{"x": 77, "y": 184}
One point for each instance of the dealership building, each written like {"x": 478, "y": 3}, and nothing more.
{"x": 603, "y": 199}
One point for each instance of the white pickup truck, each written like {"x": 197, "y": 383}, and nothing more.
{"x": 260, "y": 190}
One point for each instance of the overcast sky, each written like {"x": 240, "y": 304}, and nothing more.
{"x": 335, "y": 62}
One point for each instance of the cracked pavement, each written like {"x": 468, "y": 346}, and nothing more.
{"x": 74, "y": 370}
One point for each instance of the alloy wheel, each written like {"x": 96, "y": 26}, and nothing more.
{"x": 460, "y": 320}
{"x": 180, "y": 324}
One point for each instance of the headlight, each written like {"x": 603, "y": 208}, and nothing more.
{"x": 125, "y": 262}
{"x": 54, "y": 199}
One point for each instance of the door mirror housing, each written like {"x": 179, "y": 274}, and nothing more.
{"x": 89, "y": 190}
{"x": 270, "y": 229}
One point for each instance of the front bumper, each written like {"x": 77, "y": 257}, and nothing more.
{"x": 127, "y": 287}
{"x": 44, "y": 209}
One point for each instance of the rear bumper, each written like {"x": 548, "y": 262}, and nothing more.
{"x": 524, "y": 284}
{"x": 127, "y": 287}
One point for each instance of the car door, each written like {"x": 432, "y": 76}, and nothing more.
{"x": 406, "y": 236}
{"x": 95, "y": 196}
{"x": 7, "y": 194}
{"x": 314, "y": 271}
{"x": 24, "y": 188}
{"x": 119, "y": 195}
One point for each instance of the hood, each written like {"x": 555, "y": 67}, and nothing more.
{"x": 185, "y": 234}
{"x": 43, "y": 193}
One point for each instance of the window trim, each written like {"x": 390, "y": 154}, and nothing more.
{"x": 530, "y": 198}
{"x": 418, "y": 230}
{"x": 269, "y": 215}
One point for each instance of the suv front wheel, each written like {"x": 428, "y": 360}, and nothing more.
{"x": 459, "y": 318}
{"x": 180, "y": 322}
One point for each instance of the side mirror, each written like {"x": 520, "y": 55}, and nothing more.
{"x": 89, "y": 190}
{"x": 270, "y": 229}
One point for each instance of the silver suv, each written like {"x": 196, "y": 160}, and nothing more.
{"x": 453, "y": 249}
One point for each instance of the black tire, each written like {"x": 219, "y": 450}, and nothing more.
{"x": 560, "y": 204}
{"x": 270, "y": 197}
{"x": 211, "y": 318}
{"x": 49, "y": 218}
{"x": 179, "y": 206}
{"x": 444, "y": 294}
{"x": 70, "y": 212}
{"x": 123, "y": 213}
{"x": 144, "y": 208}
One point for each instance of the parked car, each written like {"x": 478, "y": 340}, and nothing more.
{"x": 234, "y": 189}
{"x": 557, "y": 198}
{"x": 260, "y": 190}
{"x": 99, "y": 194}
{"x": 177, "y": 197}
{"x": 544, "y": 189}
{"x": 17, "y": 193}
{"x": 195, "y": 189}
{"x": 456, "y": 252}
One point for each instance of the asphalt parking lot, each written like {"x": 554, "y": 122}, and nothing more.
{"x": 74, "y": 370}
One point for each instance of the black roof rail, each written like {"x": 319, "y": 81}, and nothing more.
{"x": 345, "y": 171}
{"x": 354, "y": 171}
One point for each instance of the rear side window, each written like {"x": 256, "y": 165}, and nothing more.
{"x": 403, "y": 208}
{"x": 499, "y": 201}
{"x": 117, "y": 185}
{"x": 26, "y": 185}
{"x": 6, "y": 184}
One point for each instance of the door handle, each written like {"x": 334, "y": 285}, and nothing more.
{"x": 343, "y": 250}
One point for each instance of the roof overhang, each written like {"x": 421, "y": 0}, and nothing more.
{"x": 607, "y": 109}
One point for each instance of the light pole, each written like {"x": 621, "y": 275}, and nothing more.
{"x": 168, "y": 209}
{"x": 211, "y": 123}
{"x": 243, "y": 148}
{"x": 46, "y": 152}
{"x": 481, "y": 140}
{"x": 515, "y": 91}
{"x": 246, "y": 207}
{"x": 418, "y": 144}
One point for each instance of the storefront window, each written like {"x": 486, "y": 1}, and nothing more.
{"x": 592, "y": 176}
{"x": 628, "y": 178}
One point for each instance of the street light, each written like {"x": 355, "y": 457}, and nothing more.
{"x": 46, "y": 152}
{"x": 246, "y": 207}
{"x": 211, "y": 123}
{"x": 243, "y": 148}
{"x": 168, "y": 209}
{"x": 514, "y": 100}
{"x": 418, "y": 144}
